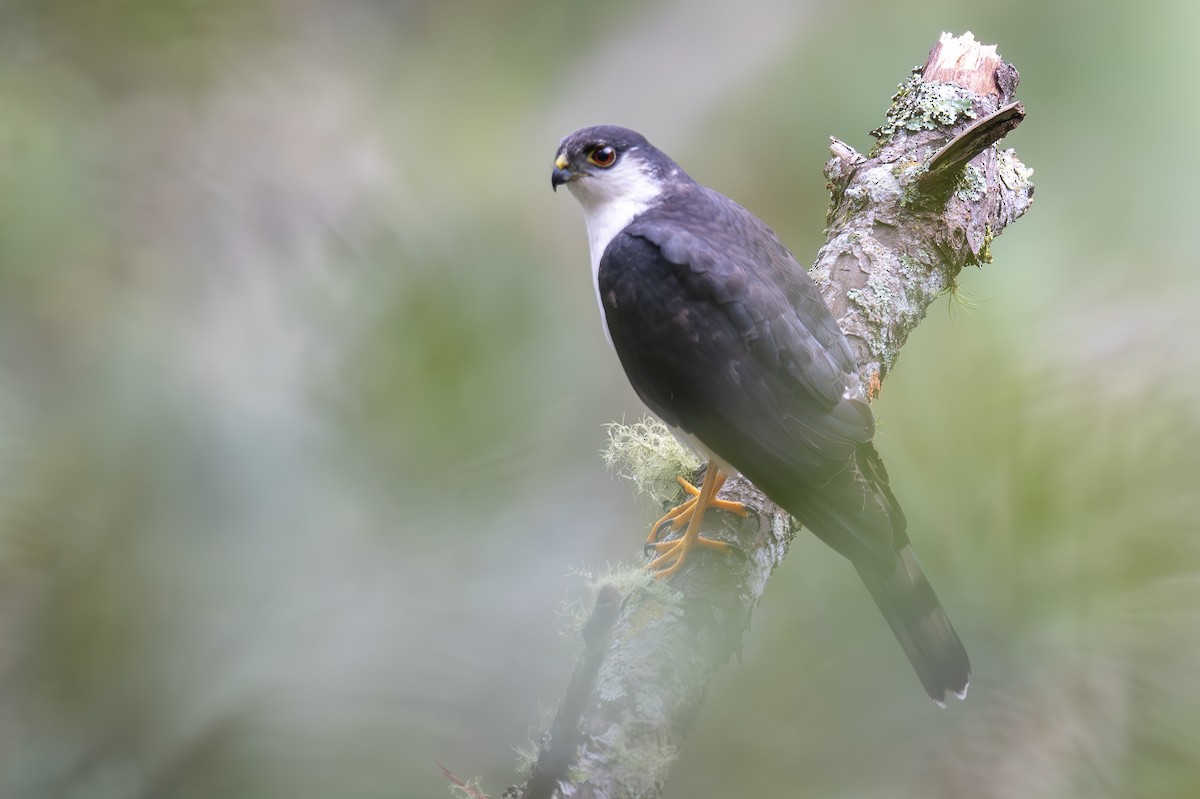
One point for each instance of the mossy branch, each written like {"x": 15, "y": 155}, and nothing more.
{"x": 903, "y": 222}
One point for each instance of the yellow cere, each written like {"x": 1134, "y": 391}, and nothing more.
{"x": 560, "y": 162}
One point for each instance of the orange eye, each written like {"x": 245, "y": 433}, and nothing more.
{"x": 603, "y": 156}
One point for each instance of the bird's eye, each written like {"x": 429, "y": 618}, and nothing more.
{"x": 603, "y": 156}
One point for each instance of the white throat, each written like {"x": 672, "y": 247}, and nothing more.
{"x": 610, "y": 201}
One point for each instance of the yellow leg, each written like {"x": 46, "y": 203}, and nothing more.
{"x": 681, "y": 514}
{"x": 672, "y": 554}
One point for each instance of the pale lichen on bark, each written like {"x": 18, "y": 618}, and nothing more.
{"x": 903, "y": 221}
{"x": 895, "y": 240}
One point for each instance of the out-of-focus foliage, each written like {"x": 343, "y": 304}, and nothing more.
{"x": 302, "y": 388}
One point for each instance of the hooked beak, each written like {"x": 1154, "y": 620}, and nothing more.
{"x": 561, "y": 174}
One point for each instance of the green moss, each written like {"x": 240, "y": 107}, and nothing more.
{"x": 984, "y": 256}
{"x": 920, "y": 279}
{"x": 630, "y": 578}
{"x": 911, "y": 196}
{"x": 971, "y": 185}
{"x": 1013, "y": 173}
{"x": 623, "y": 577}
{"x": 610, "y": 686}
{"x": 875, "y": 301}
{"x": 644, "y": 769}
{"x": 648, "y": 455}
{"x": 908, "y": 175}
{"x": 919, "y": 105}
{"x": 636, "y": 771}
{"x": 911, "y": 267}
{"x": 896, "y": 296}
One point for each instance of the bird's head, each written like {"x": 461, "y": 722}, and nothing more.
{"x": 607, "y": 167}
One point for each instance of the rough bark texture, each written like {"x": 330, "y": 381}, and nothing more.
{"x": 903, "y": 222}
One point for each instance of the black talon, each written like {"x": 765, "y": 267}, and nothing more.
{"x": 648, "y": 548}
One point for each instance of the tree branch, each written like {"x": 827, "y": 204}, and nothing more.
{"x": 903, "y": 221}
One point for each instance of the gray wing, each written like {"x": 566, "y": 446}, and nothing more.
{"x": 724, "y": 335}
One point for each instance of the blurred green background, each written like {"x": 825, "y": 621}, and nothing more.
{"x": 302, "y": 387}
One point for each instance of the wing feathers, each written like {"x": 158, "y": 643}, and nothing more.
{"x": 724, "y": 335}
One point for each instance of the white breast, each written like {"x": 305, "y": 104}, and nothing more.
{"x": 610, "y": 201}
{"x": 602, "y": 227}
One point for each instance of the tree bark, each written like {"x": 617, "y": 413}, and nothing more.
{"x": 903, "y": 221}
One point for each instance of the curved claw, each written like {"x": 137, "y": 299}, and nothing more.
{"x": 668, "y": 556}
{"x": 677, "y": 516}
{"x": 667, "y": 525}
{"x": 680, "y": 515}
{"x": 674, "y": 553}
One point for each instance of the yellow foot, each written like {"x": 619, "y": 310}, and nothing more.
{"x": 672, "y": 554}
{"x": 681, "y": 514}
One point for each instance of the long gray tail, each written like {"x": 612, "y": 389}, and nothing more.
{"x": 912, "y": 610}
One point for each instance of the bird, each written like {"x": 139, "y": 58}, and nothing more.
{"x": 726, "y": 338}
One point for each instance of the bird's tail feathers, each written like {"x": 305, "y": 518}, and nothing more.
{"x": 917, "y": 618}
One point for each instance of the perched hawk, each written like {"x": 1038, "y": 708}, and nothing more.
{"x": 724, "y": 336}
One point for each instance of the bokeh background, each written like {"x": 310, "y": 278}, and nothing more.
{"x": 302, "y": 388}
